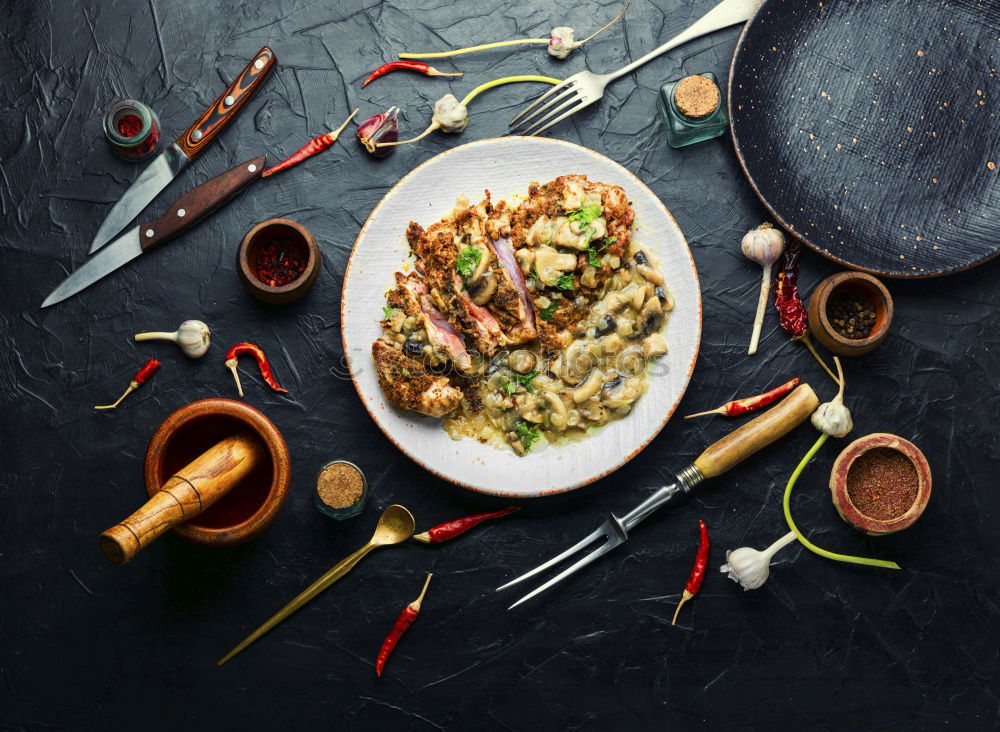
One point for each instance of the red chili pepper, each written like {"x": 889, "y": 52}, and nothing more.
{"x": 402, "y": 624}
{"x": 141, "y": 377}
{"x": 313, "y": 147}
{"x": 265, "y": 368}
{"x": 451, "y": 529}
{"x": 746, "y": 405}
{"x": 418, "y": 66}
{"x": 698, "y": 571}
{"x": 792, "y": 313}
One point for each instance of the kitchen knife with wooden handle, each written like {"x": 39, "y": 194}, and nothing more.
{"x": 184, "y": 213}
{"x": 165, "y": 167}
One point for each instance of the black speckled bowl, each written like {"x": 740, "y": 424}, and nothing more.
{"x": 869, "y": 128}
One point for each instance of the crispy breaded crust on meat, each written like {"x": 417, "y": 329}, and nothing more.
{"x": 407, "y": 384}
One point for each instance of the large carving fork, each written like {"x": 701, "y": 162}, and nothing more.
{"x": 717, "y": 459}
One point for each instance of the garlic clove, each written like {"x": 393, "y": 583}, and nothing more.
{"x": 746, "y": 566}
{"x": 382, "y": 128}
{"x": 193, "y": 337}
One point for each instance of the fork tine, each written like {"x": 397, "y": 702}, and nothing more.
{"x": 598, "y": 533}
{"x": 550, "y": 118}
{"x": 568, "y": 94}
{"x": 562, "y": 85}
{"x": 540, "y": 129}
{"x": 607, "y": 546}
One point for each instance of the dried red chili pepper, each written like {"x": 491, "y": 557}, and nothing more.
{"x": 402, "y": 624}
{"x": 746, "y": 405}
{"x": 418, "y": 66}
{"x": 265, "y": 368}
{"x": 129, "y": 125}
{"x": 313, "y": 147}
{"x": 451, "y": 529}
{"x": 698, "y": 571}
{"x": 141, "y": 377}
{"x": 791, "y": 311}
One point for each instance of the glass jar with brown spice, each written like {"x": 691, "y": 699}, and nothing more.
{"x": 341, "y": 489}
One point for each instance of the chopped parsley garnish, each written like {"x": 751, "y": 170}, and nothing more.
{"x": 406, "y": 372}
{"x": 529, "y": 434}
{"x": 526, "y": 380}
{"x": 466, "y": 261}
{"x": 565, "y": 281}
{"x": 592, "y": 252}
{"x": 547, "y": 313}
{"x": 509, "y": 388}
{"x": 586, "y": 214}
{"x": 388, "y": 312}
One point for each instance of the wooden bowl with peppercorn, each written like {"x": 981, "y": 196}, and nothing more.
{"x": 880, "y": 483}
{"x": 278, "y": 261}
{"x": 850, "y": 313}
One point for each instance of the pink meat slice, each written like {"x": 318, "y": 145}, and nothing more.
{"x": 483, "y": 316}
{"x": 443, "y": 335}
{"x": 505, "y": 253}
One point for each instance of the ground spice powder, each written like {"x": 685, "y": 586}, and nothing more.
{"x": 340, "y": 485}
{"x": 882, "y": 483}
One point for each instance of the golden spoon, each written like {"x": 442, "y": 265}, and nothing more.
{"x": 394, "y": 527}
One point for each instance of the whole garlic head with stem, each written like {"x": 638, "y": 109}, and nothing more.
{"x": 193, "y": 337}
{"x": 833, "y": 417}
{"x": 763, "y": 245}
{"x": 750, "y": 567}
{"x": 561, "y": 42}
{"x": 450, "y": 115}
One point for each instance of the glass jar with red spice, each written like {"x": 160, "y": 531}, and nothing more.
{"x": 132, "y": 129}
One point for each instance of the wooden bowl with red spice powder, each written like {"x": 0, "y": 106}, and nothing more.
{"x": 880, "y": 483}
{"x": 278, "y": 261}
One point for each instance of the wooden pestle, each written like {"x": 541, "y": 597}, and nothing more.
{"x": 190, "y": 491}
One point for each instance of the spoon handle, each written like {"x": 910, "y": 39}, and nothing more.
{"x": 332, "y": 575}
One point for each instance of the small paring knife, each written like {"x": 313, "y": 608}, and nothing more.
{"x": 185, "y": 212}
{"x": 187, "y": 147}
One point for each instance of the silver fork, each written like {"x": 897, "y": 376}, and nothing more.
{"x": 584, "y": 88}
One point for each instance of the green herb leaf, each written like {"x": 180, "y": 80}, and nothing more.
{"x": 526, "y": 380}
{"x": 592, "y": 257}
{"x": 388, "y": 312}
{"x": 509, "y": 388}
{"x": 529, "y": 434}
{"x": 406, "y": 372}
{"x": 586, "y": 214}
{"x": 547, "y": 313}
{"x": 467, "y": 260}
{"x": 565, "y": 281}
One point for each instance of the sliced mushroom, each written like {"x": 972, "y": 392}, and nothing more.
{"x": 522, "y": 361}
{"x": 577, "y": 362}
{"x": 649, "y": 274}
{"x": 482, "y": 266}
{"x": 549, "y": 264}
{"x": 525, "y": 258}
{"x": 588, "y": 388}
{"x": 483, "y": 289}
{"x": 655, "y": 345}
{"x": 666, "y": 298}
{"x": 556, "y": 403}
{"x": 651, "y": 315}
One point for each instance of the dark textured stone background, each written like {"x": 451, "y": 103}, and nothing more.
{"x": 88, "y": 645}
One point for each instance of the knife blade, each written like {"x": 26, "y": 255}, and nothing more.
{"x": 182, "y": 215}
{"x": 186, "y": 148}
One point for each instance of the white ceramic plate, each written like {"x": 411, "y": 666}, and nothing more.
{"x": 506, "y": 166}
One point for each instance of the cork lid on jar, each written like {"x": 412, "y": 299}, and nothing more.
{"x": 696, "y": 96}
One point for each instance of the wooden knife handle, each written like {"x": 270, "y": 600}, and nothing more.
{"x": 758, "y": 433}
{"x": 216, "y": 117}
{"x": 199, "y": 202}
{"x": 194, "y": 488}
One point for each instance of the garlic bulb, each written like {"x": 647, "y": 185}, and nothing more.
{"x": 450, "y": 115}
{"x": 749, "y": 567}
{"x": 833, "y": 418}
{"x": 561, "y": 42}
{"x": 763, "y": 245}
{"x": 193, "y": 336}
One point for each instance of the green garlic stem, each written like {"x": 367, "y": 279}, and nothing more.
{"x": 506, "y": 80}
{"x": 473, "y": 49}
{"x": 802, "y": 539}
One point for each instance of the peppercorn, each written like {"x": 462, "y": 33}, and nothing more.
{"x": 851, "y": 315}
